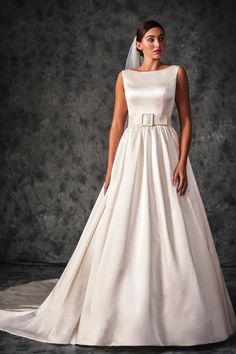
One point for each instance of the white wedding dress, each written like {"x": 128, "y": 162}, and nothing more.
{"x": 145, "y": 270}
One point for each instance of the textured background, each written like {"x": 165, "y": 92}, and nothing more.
{"x": 59, "y": 63}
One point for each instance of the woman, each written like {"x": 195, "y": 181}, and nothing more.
{"x": 152, "y": 50}
{"x": 145, "y": 270}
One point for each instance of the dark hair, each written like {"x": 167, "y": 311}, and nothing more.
{"x": 143, "y": 28}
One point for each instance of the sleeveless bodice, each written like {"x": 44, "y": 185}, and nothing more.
{"x": 150, "y": 93}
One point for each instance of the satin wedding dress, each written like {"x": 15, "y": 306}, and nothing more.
{"x": 145, "y": 270}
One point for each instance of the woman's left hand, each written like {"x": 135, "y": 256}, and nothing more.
{"x": 180, "y": 175}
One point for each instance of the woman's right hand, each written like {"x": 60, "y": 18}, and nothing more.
{"x": 107, "y": 182}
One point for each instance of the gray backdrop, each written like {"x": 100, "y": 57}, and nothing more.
{"x": 59, "y": 63}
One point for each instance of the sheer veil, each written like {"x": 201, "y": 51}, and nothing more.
{"x": 133, "y": 60}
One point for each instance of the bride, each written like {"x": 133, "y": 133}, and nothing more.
{"x": 145, "y": 270}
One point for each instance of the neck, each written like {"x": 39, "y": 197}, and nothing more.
{"x": 151, "y": 64}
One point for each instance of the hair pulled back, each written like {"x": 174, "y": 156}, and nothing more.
{"x": 143, "y": 28}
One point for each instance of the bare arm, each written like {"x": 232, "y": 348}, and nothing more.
{"x": 117, "y": 124}
{"x": 183, "y": 106}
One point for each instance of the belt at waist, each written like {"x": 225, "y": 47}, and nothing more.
{"x": 148, "y": 119}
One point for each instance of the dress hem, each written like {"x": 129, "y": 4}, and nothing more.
{"x": 43, "y": 340}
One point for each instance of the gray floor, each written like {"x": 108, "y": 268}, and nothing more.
{"x": 15, "y": 274}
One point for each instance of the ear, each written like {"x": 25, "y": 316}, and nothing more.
{"x": 139, "y": 45}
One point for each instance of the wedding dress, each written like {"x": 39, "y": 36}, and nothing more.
{"x": 145, "y": 270}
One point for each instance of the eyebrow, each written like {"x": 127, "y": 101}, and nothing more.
{"x": 151, "y": 35}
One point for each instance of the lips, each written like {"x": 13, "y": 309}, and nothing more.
{"x": 157, "y": 51}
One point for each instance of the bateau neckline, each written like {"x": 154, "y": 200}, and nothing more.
{"x": 151, "y": 71}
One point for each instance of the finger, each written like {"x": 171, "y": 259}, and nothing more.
{"x": 180, "y": 183}
{"x": 184, "y": 187}
{"x": 183, "y": 180}
{"x": 175, "y": 175}
{"x": 174, "y": 178}
{"x": 177, "y": 182}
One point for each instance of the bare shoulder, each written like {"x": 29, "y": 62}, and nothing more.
{"x": 119, "y": 75}
{"x": 119, "y": 80}
{"x": 182, "y": 73}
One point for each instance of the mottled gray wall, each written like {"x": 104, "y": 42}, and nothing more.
{"x": 59, "y": 62}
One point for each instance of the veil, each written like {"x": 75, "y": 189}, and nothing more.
{"x": 133, "y": 60}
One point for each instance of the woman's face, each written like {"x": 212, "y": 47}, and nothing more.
{"x": 152, "y": 43}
